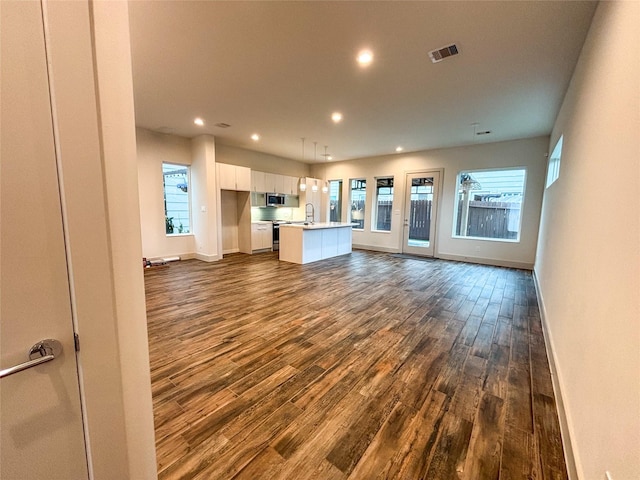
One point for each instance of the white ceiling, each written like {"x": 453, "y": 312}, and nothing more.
{"x": 281, "y": 68}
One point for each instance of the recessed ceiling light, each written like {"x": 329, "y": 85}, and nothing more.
{"x": 365, "y": 57}
{"x": 399, "y": 149}
{"x": 336, "y": 117}
{"x": 255, "y": 137}
{"x": 198, "y": 121}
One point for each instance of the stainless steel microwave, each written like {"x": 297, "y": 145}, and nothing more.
{"x": 275, "y": 200}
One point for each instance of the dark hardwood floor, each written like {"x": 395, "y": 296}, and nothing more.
{"x": 363, "y": 366}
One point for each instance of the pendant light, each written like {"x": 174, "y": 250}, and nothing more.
{"x": 325, "y": 185}
{"x": 314, "y": 187}
{"x": 303, "y": 180}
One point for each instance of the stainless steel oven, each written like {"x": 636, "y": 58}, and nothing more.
{"x": 275, "y": 245}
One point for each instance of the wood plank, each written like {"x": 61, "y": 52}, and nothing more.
{"x": 482, "y": 343}
{"x": 449, "y": 378}
{"x": 300, "y": 430}
{"x": 497, "y": 375}
{"x": 520, "y": 458}
{"x": 262, "y": 465}
{"x": 239, "y": 453}
{"x": 385, "y": 444}
{"x": 388, "y": 367}
{"x": 351, "y": 445}
{"x": 519, "y": 401}
{"x": 466, "y": 400}
{"x": 415, "y": 449}
{"x": 547, "y": 428}
{"x": 485, "y": 449}
{"x": 451, "y": 450}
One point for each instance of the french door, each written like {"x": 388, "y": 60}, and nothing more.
{"x": 420, "y": 212}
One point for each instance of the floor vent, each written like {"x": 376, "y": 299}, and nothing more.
{"x": 442, "y": 53}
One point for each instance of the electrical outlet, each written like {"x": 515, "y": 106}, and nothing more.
{"x": 607, "y": 476}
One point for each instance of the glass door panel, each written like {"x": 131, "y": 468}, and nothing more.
{"x": 421, "y": 199}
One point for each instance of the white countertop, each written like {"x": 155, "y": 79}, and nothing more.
{"x": 317, "y": 226}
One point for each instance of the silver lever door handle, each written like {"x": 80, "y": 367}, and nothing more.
{"x": 42, "y": 352}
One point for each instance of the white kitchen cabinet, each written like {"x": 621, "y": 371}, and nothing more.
{"x": 261, "y": 236}
{"x": 269, "y": 182}
{"x": 279, "y": 184}
{"x": 226, "y": 176}
{"x": 258, "y": 183}
{"x": 274, "y": 183}
{"x": 291, "y": 185}
{"x": 233, "y": 177}
{"x": 243, "y": 179}
{"x": 310, "y": 243}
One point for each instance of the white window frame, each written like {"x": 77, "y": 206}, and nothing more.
{"x": 457, "y": 204}
{"x": 553, "y": 167}
{"x": 166, "y": 211}
{"x": 374, "y": 219}
{"x": 364, "y": 212}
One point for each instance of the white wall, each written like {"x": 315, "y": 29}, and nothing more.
{"x": 527, "y": 153}
{"x": 117, "y": 128}
{"x": 153, "y": 149}
{"x": 201, "y": 153}
{"x": 93, "y": 108}
{"x": 262, "y": 162}
{"x": 205, "y": 199}
{"x": 588, "y": 261}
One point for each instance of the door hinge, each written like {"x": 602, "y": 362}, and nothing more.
{"x": 76, "y": 341}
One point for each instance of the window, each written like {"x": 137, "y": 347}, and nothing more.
{"x": 553, "y": 169}
{"x": 335, "y": 200}
{"x": 383, "y": 204}
{"x": 358, "y": 198}
{"x": 489, "y": 203}
{"x": 177, "y": 205}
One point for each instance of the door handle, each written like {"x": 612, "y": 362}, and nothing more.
{"x": 42, "y": 352}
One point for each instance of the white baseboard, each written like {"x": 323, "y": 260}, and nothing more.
{"x": 486, "y": 261}
{"x": 206, "y": 258}
{"x": 569, "y": 453}
{"x": 374, "y": 248}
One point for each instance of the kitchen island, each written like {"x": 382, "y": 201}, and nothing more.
{"x": 306, "y": 243}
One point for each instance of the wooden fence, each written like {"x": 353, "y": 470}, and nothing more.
{"x": 486, "y": 219}
{"x": 419, "y": 218}
{"x": 491, "y": 220}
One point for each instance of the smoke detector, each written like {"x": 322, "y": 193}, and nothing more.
{"x": 441, "y": 53}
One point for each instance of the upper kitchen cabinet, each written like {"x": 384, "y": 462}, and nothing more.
{"x": 233, "y": 177}
{"x": 258, "y": 183}
{"x": 291, "y": 185}
{"x": 274, "y": 183}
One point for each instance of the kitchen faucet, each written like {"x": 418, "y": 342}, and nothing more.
{"x": 306, "y": 212}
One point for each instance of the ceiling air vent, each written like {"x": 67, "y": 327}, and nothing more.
{"x": 222, "y": 125}
{"x": 442, "y": 53}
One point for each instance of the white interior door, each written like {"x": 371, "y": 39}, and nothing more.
{"x": 41, "y": 426}
{"x": 420, "y": 212}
